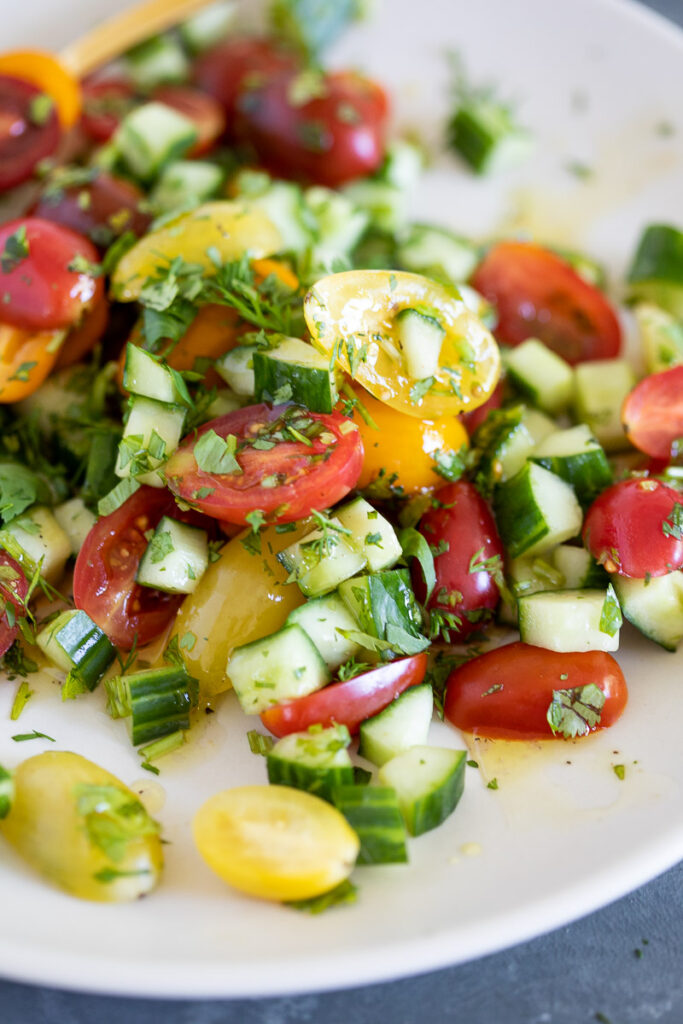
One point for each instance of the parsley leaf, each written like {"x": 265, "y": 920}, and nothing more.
{"x": 610, "y": 618}
{"x": 576, "y": 711}
{"x": 215, "y": 454}
{"x": 160, "y": 546}
{"x": 112, "y": 818}
{"x": 16, "y": 250}
{"x": 673, "y": 524}
{"x": 414, "y": 545}
{"x": 420, "y": 389}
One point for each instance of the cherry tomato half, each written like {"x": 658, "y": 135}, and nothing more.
{"x": 81, "y": 340}
{"x": 349, "y": 702}
{"x": 105, "y": 103}
{"x": 538, "y": 295}
{"x": 25, "y": 138}
{"x": 653, "y": 414}
{"x": 284, "y": 477}
{"x": 635, "y": 528}
{"x": 104, "y": 575}
{"x": 39, "y": 290}
{"x": 468, "y": 557}
{"x": 101, "y": 209}
{"x": 329, "y": 139}
{"x": 13, "y": 591}
{"x": 26, "y": 359}
{"x": 206, "y": 113}
{"x": 506, "y": 693}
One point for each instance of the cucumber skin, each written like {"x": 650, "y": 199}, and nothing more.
{"x": 512, "y": 504}
{"x": 431, "y": 811}
{"x": 310, "y": 386}
{"x": 320, "y": 782}
{"x": 373, "y": 813}
{"x": 589, "y": 472}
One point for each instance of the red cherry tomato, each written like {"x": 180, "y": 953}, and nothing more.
{"x": 635, "y": 528}
{"x": 102, "y": 209}
{"x": 201, "y": 108}
{"x": 506, "y": 693}
{"x": 474, "y": 419}
{"x": 106, "y": 567}
{"x": 105, "y": 103}
{"x": 13, "y": 591}
{"x": 329, "y": 139}
{"x": 26, "y": 136}
{"x": 538, "y": 295}
{"x": 653, "y": 414}
{"x": 225, "y": 68}
{"x": 462, "y": 534}
{"x": 81, "y": 340}
{"x": 286, "y": 481}
{"x": 350, "y": 702}
{"x": 39, "y": 291}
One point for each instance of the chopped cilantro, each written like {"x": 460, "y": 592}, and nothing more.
{"x": 420, "y": 389}
{"x": 160, "y": 546}
{"x": 448, "y": 464}
{"x": 492, "y": 784}
{"x": 21, "y": 699}
{"x": 576, "y": 711}
{"x": 215, "y": 454}
{"x": 610, "y": 618}
{"x": 619, "y": 770}
{"x": 107, "y": 875}
{"x": 673, "y": 524}
{"x": 16, "y": 250}
{"x": 414, "y": 545}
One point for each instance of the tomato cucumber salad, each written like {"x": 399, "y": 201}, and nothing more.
{"x": 264, "y": 434}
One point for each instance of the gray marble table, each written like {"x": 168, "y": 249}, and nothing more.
{"x": 621, "y": 965}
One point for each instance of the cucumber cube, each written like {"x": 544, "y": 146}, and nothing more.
{"x": 541, "y": 375}
{"x": 600, "y": 388}
{"x": 151, "y": 136}
{"x": 429, "y": 782}
{"x": 176, "y": 558}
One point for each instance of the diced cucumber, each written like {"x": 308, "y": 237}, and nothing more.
{"x": 438, "y": 253}
{"x": 429, "y": 782}
{"x": 661, "y": 335}
{"x": 402, "y": 165}
{"x": 578, "y": 567}
{"x": 540, "y": 375}
{"x": 156, "y": 61}
{"x": 74, "y": 642}
{"x": 151, "y": 136}
{"x": 322, "y": 559}
{"x": 536, "y": 510}
{"x": 315, "y": 761}
{"x": 578, "y": 458}
{"x": 486, "y": 135}
{"x": 322, "y": 619}
{"x": 225, "y": 401}
{"x": 403, "y": 724}
{"x": 152, "y": 433}
{"x": 186, "y": 183}
{"x": 339, "y": 225}
{"x": 237, "y": 369}
{"x": 371, "y": 533}
{"x": 175, "y": 559}
{"x": 279, "y": 667}
{"x": 283, "y": 203}
{"x": 292, "y": 370}
{"x": 384, "y": 605}
{"x": 158, "y": 701}
{"x": 656, "y": 273}
{"x": 144, "y": 375}
{"x": 385, "y": 204}
{"x": 76, "y": 520}
{"x": 571, "y": 620}
{"x": 374, "y": 815}
{"x": 478, "y": 305}
{"x": 506, "y": 439}
{"x": 585, "y": 266}
{"x": 654, "y": 606}
{"x": 207, "y": 27}
{"x": 600, "y": 388}
{"x": 421, "y": 336}
{"x": 47, "y": 642}
{"x": 528, "y": 574}
{"x": 35, "y": 539}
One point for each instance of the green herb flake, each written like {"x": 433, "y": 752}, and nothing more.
{"x": 107, "y": 875}
{"x": 576, "y": 711}
{"x": 16, "y": 250}
{"x": 449, "y": 464}
{"x": 21, "y": 699}
{"x": 160, "y": 546}
{"x": 414, "y": 545}
{"x": 112, "y": 818}
{"x": 610, "y": 618}
{"x": 492, "y": 784}
{"x": 23, "y": 372}
{"x": 420, "y": 389}
{"x": 620, "y": 771}
{"x": 215, "y": 454}
{"x": 6, "y": 792}
{"x": 117, "y": 496}
{"x": 673, "y": 524}
{"x": 40, "y": 108}
{"x": 258, "y": 743}
{"x": 35, "y": 735}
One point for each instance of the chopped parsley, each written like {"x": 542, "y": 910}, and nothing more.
{"x": 673, "y": 524}
{"x": 215, "y": 454}
{"x": 112, "y": 818}
{"x": 16, "y": 250}
{"x": 574, "y": 712}
{"x": 610, "y": 618}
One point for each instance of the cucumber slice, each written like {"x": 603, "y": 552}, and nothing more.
{"x": 175, "y": 559}
{"x": 152, "y": 433}
{"x": 429, "y": 782}
{"x": 374, "y": 815}
{"x": 76, "y": 520}
{"x": 205, "y": 28}
{"x": 656, "y": 274}
{"x": 486, "y": 135}
{"x": 421, "y": 336}
{"x": 528, "y": 574}
{"x": 321, "y": 619}
{"x": 282, "y": 202}
{"x": 536, "y": 510}
{"x": 506, "y": 439}
{"x": 385, "y": 607}
{"x": 279, "y": 667}
{"x": 315, "y": 761}
{"x": 292, "y": 370}
{"x": 156, "y": 61}
{"x": 541, "y": 375}
{"x": 403, "y": 724}
{"x": 578, "y": 567}
{"x": 224, "y": 402}
{"x": 661, "y": 335}
{"x": 654, "y": 606}
{"x": 158, "y": 701}
{"x": 339, "y": 226}
{"x": 322, "y": 559}
{"x": 385, "y": 204}
{"x": 437, "y": 253}
{"x": 144, "y": 375}
{"x": 36, "y": 540}
{"x": 74, "y": 641}
{"x": 237, "y": 369}
{"x": 371, "y": 534}
{"x": 402, "y": 165}
{"x": 571, "y": 620}
{"x": 578, "y": 458}
{"x": 151, "y": 136}
{"x": 186, "y": 183}
{"x": 600, "y": 388}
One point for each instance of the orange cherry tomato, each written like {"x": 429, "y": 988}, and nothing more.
{"x": 401, "y": 451}
{"x": 26, "y": 358}
{"x": 45, "y": 72}
{"x": 82, "y": 339}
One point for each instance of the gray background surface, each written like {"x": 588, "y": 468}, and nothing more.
{"x": 622, "y": 965}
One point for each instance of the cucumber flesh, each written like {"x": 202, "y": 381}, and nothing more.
{"x": 277, "y": 668}
{"x": 374, "y": 815}
{"x": 541, "y": 375}
{"x": 315, "y": 761}
{"x": 421, "y": 336}
{"x": 322, "y": 560}
{"x": 322, "y": 619}
{"x": 429, "y": 782}
{"x": 571, "y": 620}
{"x": 372, "y": 534}
{"x": 654, "y": 606}
{"x": 536, "y": 510}
{"x": 175, "y": 559}
{"x": 403, "y": 724}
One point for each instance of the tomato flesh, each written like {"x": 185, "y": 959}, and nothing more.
{"x": 506, "y": 693}
{"x": 23, "y": 141}
{"x": 462, "y": 534}
{"x": 538, "y": 295}
{"x": 13, "y": 591}
{"x": 284, "y": 477}
{"x": 204, "y": 110}
{"x": 635, "y": 528}
{"x": 653, "y": 414}
{"x": 349, "y": 702}
{"x": 101, "y": 209}
{"x": 105, "y": 103}
{"x": 39, "y": 291}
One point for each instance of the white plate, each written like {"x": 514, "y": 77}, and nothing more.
{"x": 557, "y": 839}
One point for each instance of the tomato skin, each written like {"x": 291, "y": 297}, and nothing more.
{"x": 538, "y": 295}
{"x": 13, "y": 590}
{"x": 468, "y": 528}
{"x": 224, "y": 69}
{"x": 22, "y": 143}
{"x": 624, "y": 528}
{"x": 106, "y": 567}
{"x": 653, "y": 413}
{"x": 110, "y": 208}
{"x": 349, "y": 702}
{"x": 204, "y": 110}
{"x": 44, "y": 294}
{"x": 473, "y": 420}
{"x": 527, "y": 677}
{"x": 308, "y": 485}
{"x": 105, "y": 104}
{"x": 328, "y": 140}
{"x": 81, "y": 340}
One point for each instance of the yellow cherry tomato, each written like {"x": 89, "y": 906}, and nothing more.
{"x": 401, "y": 451}
{"x": 241, "y": 597}
{"x": 26, "y": 358}
{"x": 275, "y": 842}
{"x": 82, "y": 828}
{"x": 224, "y": 229}
{"x": 355, "y": 316}
{"x": 47, "y": 74}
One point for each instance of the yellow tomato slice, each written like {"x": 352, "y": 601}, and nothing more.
{"x": 353, "y": 315}
{"x": 223, "y": 229}
{"x": 45, "y": 72}
{"x": 275, "y": 842}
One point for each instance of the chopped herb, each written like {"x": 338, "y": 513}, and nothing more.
{"x": 16, "y": 250}
{"x": 345, "y": 892}
{"x": 256, "y": 520}
{"x": 106, "y": 875}
{"x": 258, "y": 743}
{"x": 374, "y": 539}
{"x": 673, "y": 524}
{"x": 619, "y": 770}
{"x": 414, "y": 545}
{"x": 579, "y": 170}
{"x": 472, "y": 764}
{"x": 112, "y": 817}
{"x": 187, "y": 641}
{"x": 17, "y": 662}
{"x": 40, "y": 108}
{"x": 576, "y": 711}
{"x": 492, "y": 784}
{"x": 610, "y": 618}
{"x": 420, "y": 389}
{"x": 117, "y": 496}
{"x": 160, "y": 546}
{"x": 215, "y": 454}
{"x": 35, "y": 735}
{"x": 6, "y": 792}
{"x": 21, "y": 699}
{"x": 448, "y": 464}
{"x": 352, "y": 668}
{"x": 23, "y": 373}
